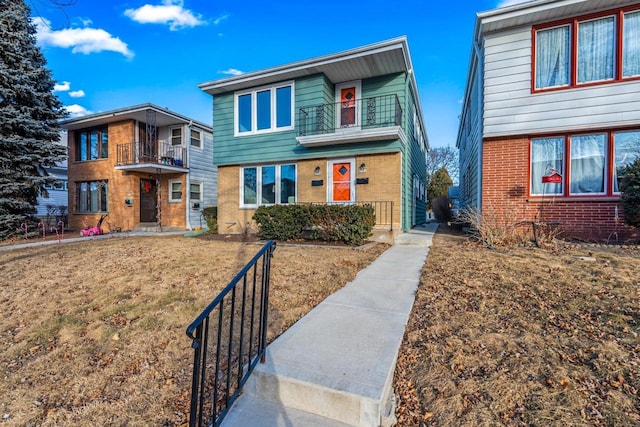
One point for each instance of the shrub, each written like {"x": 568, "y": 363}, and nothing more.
{"x": 492, "y": 228}
{"x": 210, "y": 215}
{"x": 441, "y": 209}
{"x": 349, "y": 224}
{"x": 630, "y": 189}
{"x": 281, "y": 222}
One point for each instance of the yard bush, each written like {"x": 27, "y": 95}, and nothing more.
{"x": 630, "y": 188}
{"x": 349, "y": 224}
{"x": 210, "y": 215}
{"x": 281, "y": 222}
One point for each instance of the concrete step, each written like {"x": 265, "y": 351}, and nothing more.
{"x": 155, "y": 229}
{"x": 260, "y": 413}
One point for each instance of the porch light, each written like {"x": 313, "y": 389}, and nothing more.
{"x": 316, "y": 171}
{"x": 362, "y": 168}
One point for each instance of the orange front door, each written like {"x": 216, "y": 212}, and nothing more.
{"x": 341, "y": 182}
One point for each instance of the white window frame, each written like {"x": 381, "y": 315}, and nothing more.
{"x": 254, "y": 109}
{"x": 278, "y": 184}
{"x": 358, "y": 86}
{"x": 199, "y": 184}
{"x": 352, "y": 178}
{"x": 171, "y": 129}
{"x": 200, "y": 139}
{"x": 171, "y": 198}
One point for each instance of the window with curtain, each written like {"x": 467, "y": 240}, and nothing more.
{"x": 195, "y": 191}
{"x": 587, "y": 50}
{"x": 626, "y": 151}
{"x": 631, "y": 45}
{"x": 596, "y": 50}
{"x": 91, "y": 196}
{"x": 268, "y": 185}
{"x": 552, "y": 57}
{"x": 588, "y": 165}
{"x": 547, "y": 155}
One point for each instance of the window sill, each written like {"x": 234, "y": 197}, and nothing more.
{"x": 572, "y": 199}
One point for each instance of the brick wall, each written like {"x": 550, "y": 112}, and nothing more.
{"x": 122, "y": 185}
{"x": 382, "y": 170}
{"x": 505, "y": 178}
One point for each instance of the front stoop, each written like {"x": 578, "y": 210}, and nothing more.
{"x": 337, "y": 362}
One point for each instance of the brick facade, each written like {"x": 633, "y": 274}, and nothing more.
{"x": 505, "y": 192}
{"x": 122, "y": 185}
{"x": 382, "y": 170}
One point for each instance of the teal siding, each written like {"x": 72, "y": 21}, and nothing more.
{"x": 282, "y": 146}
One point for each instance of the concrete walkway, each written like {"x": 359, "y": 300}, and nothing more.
{"x": 335, "y": 366}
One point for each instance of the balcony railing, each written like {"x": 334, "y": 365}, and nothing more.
{"x": 367, "y": 113}
{"x": 135, "y": 153}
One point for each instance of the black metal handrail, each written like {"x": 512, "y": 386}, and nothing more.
{"x": 235, "y": 331}
{"x": 375, "y": 112}
{"x": 134, "y": 153}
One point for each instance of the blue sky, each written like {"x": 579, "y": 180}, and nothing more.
{"x": 112, "y": 54}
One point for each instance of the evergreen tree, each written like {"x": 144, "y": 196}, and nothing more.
{"x": 29, "y": 114}
{"x": 438, "y": 185}
{"x": 630, "y": 188}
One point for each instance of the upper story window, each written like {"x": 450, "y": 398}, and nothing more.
{"x": 196, "y": 138}
{"x": 265, "y": 109}
{"x": 176, "y": 136}
{"x": 92, "y": 144}
{"x": 587, "y": 50}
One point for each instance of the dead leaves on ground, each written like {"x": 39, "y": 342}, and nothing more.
{"x": 522, "y": 336}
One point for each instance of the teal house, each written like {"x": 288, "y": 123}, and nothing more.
{"x": 344, "y": 128}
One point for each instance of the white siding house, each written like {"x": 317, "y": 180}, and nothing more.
{"x": 559, "y": 76}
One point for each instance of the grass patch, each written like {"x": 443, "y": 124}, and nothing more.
{"x": 109, "y": 347}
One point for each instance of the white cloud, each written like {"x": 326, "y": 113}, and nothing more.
{"x": 76, "y": 110}
{"x": 62, "y": 87}
{"x": 81, "y": 40}
{"x": 77, "y": 93}
{"x": 220, "y": 19}
{"x": 505, "y": 3}
{"x": 171, "y": 12}
{"x": 231, "y": 72}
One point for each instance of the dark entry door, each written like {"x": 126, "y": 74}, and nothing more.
{"x": 148, "y": 200}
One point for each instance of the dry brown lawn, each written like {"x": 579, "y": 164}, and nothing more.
{"x": 93, "y": 333}
{"x": 522, "y": 337}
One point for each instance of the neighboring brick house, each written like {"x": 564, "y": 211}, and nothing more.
{"x": 145, "y": 166}
{"x": 553, "y": 86}
{"x": 344, "y": 128}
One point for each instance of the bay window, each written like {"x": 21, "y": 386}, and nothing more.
{"x": 264, "y": 109}
{"x": 587, "y": 50}
{"x": 588, "y": 163}
{"x": 268, "y": 185}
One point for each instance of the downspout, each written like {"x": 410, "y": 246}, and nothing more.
{"x": 188, "y": 183}
{"x": 478, "y": 49}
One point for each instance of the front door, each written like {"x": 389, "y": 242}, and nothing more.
{"x": 148, "y": 200}
{"x": 348, "y": 108}
{"x": 342, "y": 189}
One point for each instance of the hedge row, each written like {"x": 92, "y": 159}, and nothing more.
{"x": 349, "y": 224}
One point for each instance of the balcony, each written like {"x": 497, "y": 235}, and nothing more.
{"x": 362, "y": 120}
{"x": 141, "y": 157}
